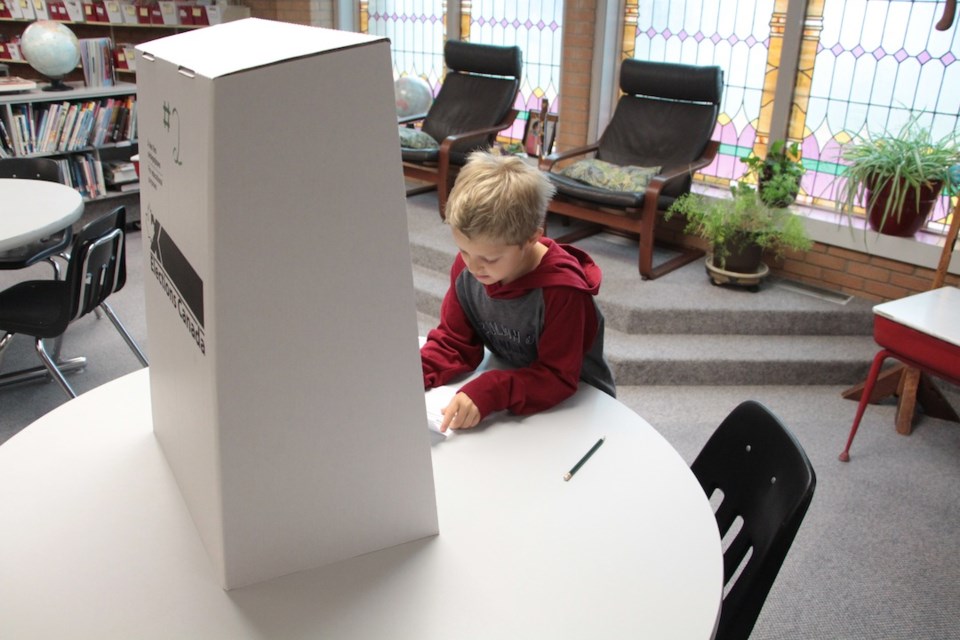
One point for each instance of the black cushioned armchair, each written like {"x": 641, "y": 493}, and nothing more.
{"x": 665, "y": 118}
{"x": 474, "y": 103}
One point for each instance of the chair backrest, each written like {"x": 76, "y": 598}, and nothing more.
{"x": 97, "y": 262}
{"x": 30, "y": 168}
{"x": 478, "y": 91}
{"x": 666, "y": 116}
{"x": 766, "y": 482}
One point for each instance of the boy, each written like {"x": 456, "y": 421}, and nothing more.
{"x": 523, "y": 296}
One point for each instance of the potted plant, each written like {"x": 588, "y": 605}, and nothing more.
{"x": 778, "y": 173}
{"x": 741, "y": 228}
{"x": 898, "y": 176}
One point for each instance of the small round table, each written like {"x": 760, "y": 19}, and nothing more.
{"x": 96, "y": 530}
{"x": 33, "y": 209}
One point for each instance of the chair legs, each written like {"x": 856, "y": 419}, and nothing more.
{"x": 53, "y": 369}
{"x": 124, "y": 334}
{"x": 878, "y": 359}
{"x": 4, "y": 342}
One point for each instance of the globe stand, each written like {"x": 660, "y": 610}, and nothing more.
{"x": 57, "y": 84}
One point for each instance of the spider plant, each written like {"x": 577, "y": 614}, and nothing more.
{"x": 893, "y": 173}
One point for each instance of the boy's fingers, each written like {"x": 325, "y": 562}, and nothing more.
{"x": 449, "y": 413}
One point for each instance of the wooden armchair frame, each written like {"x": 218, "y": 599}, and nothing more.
{"x": 665, "y": 118}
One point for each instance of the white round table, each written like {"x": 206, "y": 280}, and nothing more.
{"x": 33, "y": 209}
{"x": 97, "y": 542}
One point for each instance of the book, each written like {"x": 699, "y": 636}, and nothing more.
{"x": 14, "y": 83}
{"x": 119, "y": 172}
{"x": 126, "y": 187}
{"x": 96, "y": 58}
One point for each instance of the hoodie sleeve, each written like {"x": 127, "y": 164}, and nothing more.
{"x": 567, "y": 336}
{"x": 453, "y": 348}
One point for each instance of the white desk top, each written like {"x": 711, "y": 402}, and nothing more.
{"x": 33, "y": 209}
{"x": 935, "y": 313}
{"x": 97, "y": 542}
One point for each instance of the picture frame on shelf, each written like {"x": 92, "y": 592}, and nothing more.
{"x": 540, "y": 131}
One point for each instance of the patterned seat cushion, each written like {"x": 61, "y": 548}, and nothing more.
{"x": 416, "y": 139}
{"x": 607, "y": 175}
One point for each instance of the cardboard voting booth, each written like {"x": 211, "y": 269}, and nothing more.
{"x": 285, "y": 377}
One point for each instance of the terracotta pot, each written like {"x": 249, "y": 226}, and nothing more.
{"x": 911, "y": 217}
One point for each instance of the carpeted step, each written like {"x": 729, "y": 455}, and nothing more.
{"x": 738, "y": 360}
{"x": 782, "y": 312}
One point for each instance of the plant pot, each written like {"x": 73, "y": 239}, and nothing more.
{"x": 910, "y": 218}
{"x": 741, "y": 258}
{"x": 783, "y": 202}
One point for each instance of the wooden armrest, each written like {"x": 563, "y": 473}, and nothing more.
{"x": 668, "y": 174}
{"x": 546, "y": 164}
{"x": 450, "y": 140}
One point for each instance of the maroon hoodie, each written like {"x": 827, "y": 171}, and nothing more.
{"x": 545, "y": 325}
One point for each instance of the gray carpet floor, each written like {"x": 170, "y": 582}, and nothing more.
{"x": 875, "y": 558}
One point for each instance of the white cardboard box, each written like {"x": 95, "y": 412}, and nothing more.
{"x": 285, "y": 376}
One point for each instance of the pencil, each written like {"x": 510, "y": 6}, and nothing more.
{"x": 586, "y": 456}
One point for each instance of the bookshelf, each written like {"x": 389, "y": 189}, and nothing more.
{"x": 122, "y": 33}
{"x": 83, "y": 129}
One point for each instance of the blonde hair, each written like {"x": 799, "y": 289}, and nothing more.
{"x": 498, "y": 197}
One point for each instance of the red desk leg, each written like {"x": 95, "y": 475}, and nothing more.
{"x": 878, "y": 359}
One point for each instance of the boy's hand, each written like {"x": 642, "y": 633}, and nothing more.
{"x": 461, "y": 413}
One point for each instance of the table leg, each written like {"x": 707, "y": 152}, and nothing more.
{"x": 893, "y": 382}
{"x": 878, "y": 359}
{"x": 907, "y": 400}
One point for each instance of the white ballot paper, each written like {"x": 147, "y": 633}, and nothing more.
{"x": 436, "y": 399}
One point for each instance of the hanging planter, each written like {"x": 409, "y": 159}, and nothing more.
{"x": 898, "y": 176}
{"x": 911, "y": 212}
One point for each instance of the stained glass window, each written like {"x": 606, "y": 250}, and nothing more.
{"x": 877, "y": 63}
{"x": 416, "y": 32}
{"x": 864, "y": 66}
{"x": 535, "y": 27}
{"x": 733, "y": 34}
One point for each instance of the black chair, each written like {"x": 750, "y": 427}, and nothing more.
{"x": 474, "y": 103}
{"x": 665, "y": 118}
{"x": 44, "y": 309}
{"x": 46, "y": 248}
{"x": 766, "y": 482}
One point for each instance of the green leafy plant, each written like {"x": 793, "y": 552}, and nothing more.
{"x": 731, "y": 224}
{"x": 900, "y": 163}
{"x": 778, "y": 173}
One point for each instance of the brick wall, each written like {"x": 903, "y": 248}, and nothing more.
{"x": 855, "y": 273}
{"x": 579, "y": 21}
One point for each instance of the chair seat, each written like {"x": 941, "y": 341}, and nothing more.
{"x": 419, "y": 155}
{"x": 43, "y": 309}
{"x": 431, "y": 155}
{"x": 39, "y": 308}
{"x": 583, "y": 191}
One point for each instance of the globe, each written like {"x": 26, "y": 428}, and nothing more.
{"x": 413, "y": 96}
{"x": 52, "y": 49}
